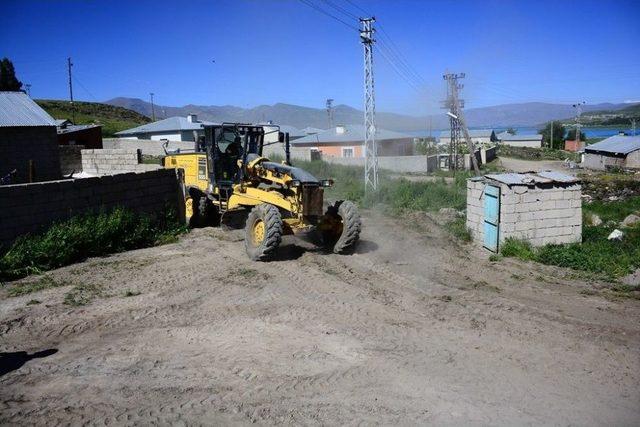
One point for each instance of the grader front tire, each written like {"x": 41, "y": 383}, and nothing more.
{"x": 344, "y": 234}
{"x": 263, "y": 232}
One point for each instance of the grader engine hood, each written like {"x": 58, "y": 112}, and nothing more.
{"x": 295, "y": 173}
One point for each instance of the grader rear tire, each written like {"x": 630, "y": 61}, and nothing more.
{"x": 343, "y": 237}
{"x": 263, "y": 232}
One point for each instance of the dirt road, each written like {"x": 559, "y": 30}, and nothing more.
{"x": 410, "y": 330}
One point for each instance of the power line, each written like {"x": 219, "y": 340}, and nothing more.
{"x": 319, "y": 9}
{"x": 397, "y": 70}
{"x": 75, "y": 79}
{"x": 341, "y": 9}
{"x": 358, "y": 7}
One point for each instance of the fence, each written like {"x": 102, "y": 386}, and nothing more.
{"x": 114, "y": 161}
{"x": 28, "y": 208}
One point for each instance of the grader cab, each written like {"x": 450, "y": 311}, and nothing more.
{"x": 227, "y": 175}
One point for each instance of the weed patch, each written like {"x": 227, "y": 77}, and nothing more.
{"x": 33, "y": 302}
{"x": 82, "y": 294}
{"x": 458, "y": 228}
{"x": 42, "y": 282}
{"x": 132, "y": 293}
{"x": 85, "y": 236}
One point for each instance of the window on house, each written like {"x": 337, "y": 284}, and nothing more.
{"x": 347, "y": 152}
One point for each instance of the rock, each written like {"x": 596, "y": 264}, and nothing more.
{"x": 613, "y": 198}
{"x": 632, "y": 279}
{"x": 595, "y": 220}
{"x": 616, "y": 235}
{"x": 631, "y": 220}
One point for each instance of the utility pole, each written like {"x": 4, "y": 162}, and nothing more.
{"x": 578, "y": 107}
{"x": 457, "y": 123}
{"x": 330, "y": 112}
{"x": 73, "y": 109}
{"x": 551, "y": 139}
{"x": 370, "y": 147}
{"x": 153, "y": 111}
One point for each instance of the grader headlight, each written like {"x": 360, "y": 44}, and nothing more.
{"x": 294, "y": 183}
{"x": 327, "y": 183}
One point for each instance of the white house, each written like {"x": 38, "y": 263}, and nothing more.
{"x": 172, "y": 129}
{"x": 478, "y": 136}
{"x": 533, "y": 140}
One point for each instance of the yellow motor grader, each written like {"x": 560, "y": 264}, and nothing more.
{"x": 227, "y": 175}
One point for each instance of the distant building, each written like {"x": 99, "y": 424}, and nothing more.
{"x": 272, "y": 146}
{"x": 532, "y": 140}
{"x": 615, "y": 151}
{"x": 348, "y": 141}
{"x": 478, "y": 136}
{"x": 171, "y": 129}
{"x": 28, "y": 140}
{"x": 89, "y": 136}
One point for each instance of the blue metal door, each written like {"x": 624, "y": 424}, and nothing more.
{"x": 491, "y": 217}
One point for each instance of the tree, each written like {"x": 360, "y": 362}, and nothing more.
{"x": 571, "y": 135}
{"x": 8, "y": 80}
{"x": 426, "y": 146}
{"x": 558, "y": 135}
{"x": 511, "y": 131}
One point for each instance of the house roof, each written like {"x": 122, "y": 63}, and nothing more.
{"x": 516, "y": 137}
{"x": 17, "y": 109}
{"x": 75, "y": 128}
{"x": 352, "y": 133}
{"x": 292, "y": 131}
{"x": 473, "y": 133}
{"x": 311, "y": 130}
{"x": 167, "y": 125}
{"x": 618, "y": 144}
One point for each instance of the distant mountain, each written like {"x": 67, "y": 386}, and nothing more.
{"x": 525, "y": 114}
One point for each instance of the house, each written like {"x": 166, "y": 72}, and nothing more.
{"x": 89, "y": 136}
{"x": 28, "y": 140}
{"x": 171, "y": 129}
{"x": 348, "y": 141}
{"x": 478, "y": 136}
{"x": 616, "y": 151}
{"x": 272, "y": 146}
{"x": 532, "y": 140}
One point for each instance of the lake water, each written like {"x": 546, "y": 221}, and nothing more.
{"x": 590, "y": 132}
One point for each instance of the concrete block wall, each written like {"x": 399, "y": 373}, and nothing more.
{"x": 21, "y": 144}
{"x": 146, "y": 146}
{"x": 114, "y": 161}
{"x": 70, "y": 158}
{"x": 541, "y": 214}
{"x": 29, "y": 208}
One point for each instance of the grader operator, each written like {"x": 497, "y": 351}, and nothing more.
{"x": 227, "y": 175}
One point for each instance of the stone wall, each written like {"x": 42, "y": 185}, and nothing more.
{"x": 540, "y": 215}
{"x": 22, "y": 145}
{"x": 146, "y": 146}
{"x": 70, "y": 158}
{"x": 109, "y": 162}
{"x": 28, "y": 208}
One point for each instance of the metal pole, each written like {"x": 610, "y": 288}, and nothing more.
{"x": 551, "y": 140}
{"x": 73, "y": 110}
{"x": 153, "y": 111}
{"x": 370, "y": 147}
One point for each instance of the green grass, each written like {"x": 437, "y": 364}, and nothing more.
{"x": 85, "y": 236}
{"x": 595, "y": 254}
{"x": 113, "y": 119}
{"x": 82, "y": 294}
{"x": 612, "y": 211}
{"x": 40, "y": 283}
{"x": 529, "y": 153}
{"x": 458, "y": 227}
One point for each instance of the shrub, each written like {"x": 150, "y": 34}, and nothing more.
{"x": 85, "y": 236}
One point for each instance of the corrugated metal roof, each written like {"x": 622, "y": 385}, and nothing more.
{"x": 352, "y": 133}
{"x": 167, "y": 125}
{"x": 516, "y": 137}
{"x": 533, "y": 178}
{"x": 618, "y": 144}
{"x": 17, "y": 109}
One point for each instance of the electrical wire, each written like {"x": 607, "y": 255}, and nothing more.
{"x": 319, "y": 9}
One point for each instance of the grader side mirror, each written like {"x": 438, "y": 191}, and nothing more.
{"x": 280, "y": 136}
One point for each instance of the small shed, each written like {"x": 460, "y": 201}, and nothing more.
{"x": 541, "y": 208}
{"x": 616, "y": 151}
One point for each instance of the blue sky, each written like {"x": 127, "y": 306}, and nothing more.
{"x": 269, "y": 51}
